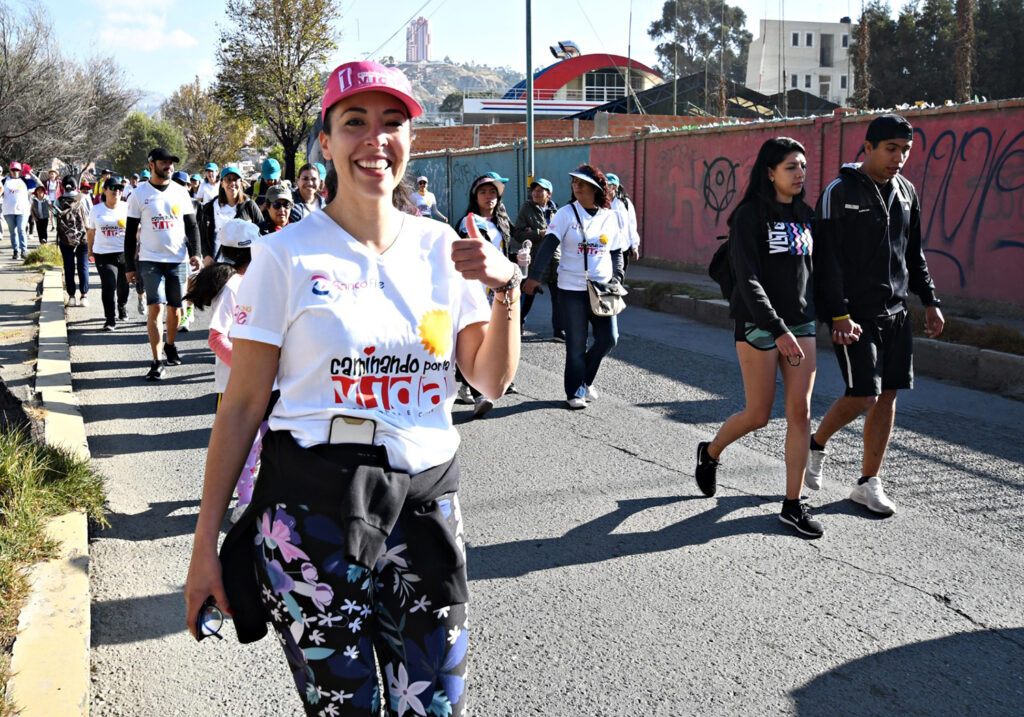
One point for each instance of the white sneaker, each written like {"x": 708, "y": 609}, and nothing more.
{"x": 872, "y": 495}
{"x": 576, "y": 403}
{"x": 483, "y": 405}
{"x": 70, "y": 301}
{"x": 84, "y": 301}
{"x": 812, "y": 479}
{"x": 464, "y": 395}
{"x": 591, "y": 394}
{"x": 142, "y": 304}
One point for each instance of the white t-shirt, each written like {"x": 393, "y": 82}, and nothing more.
{"x": 424, "y": 202}
{"x": 162, "y": 224}
{"x": 223, "y": 316}
{"x": 604, "y": 232}
{"x": 109, "y": 225}
{"x": 222, "y": 214}
{"x": 127, "y": 191}
{"x": 629, "y": 220}
{"x": 362, "y": 334}
{"x": 51, "y": 189}
{"x": 207, "y": 191}
{"x": 15, "y": 197}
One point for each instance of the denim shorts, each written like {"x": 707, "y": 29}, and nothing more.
{"x": 164, "y": 282}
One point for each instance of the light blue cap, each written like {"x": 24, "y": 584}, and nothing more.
{"x": 495, "y": 175}
{"x": 230, "y": 170}
{"x": 212, "y": 166}
{"x": 540, "y": 181}
{"x": 322, "y": 169}
{"x": 612, "y": 178}
{"x": 270, "y": 168}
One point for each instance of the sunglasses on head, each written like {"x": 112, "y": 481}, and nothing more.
{"x": 281, "y": 204}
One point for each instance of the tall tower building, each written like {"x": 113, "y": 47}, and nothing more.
{"x": 417, "y": 40}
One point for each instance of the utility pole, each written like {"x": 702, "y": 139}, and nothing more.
{"x": 529, "y": 92}
{"x": 675, "y": 59}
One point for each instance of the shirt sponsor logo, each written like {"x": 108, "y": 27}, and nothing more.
{"x": 162, "y": 222}
{"x": 323, "y": 286}
{"x": 241, "y": 314}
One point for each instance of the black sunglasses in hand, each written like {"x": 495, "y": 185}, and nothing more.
{"x": 210, "y": 620}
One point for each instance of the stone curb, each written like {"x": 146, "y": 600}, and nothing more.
{"x": 50, "y": 662}
{"x": 969, "y": 366}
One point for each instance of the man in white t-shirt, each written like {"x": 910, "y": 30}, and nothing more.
{"x": 16, "y": 207}
{"x": 210, "y": 185}
{"x": 162, "y": 219}
{"x": 133, "y": 184}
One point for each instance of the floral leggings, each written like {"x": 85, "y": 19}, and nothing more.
{"x": 332, "y": 616}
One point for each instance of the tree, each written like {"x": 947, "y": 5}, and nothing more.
{"x": 998, "y": 48}
{"x": 964, "y": 61}
{"x": 691, "y": 40}
{"x": 51, "y": 107}
{"x": 138, "y": 135}
{"x": 861, "y": 48}
{"x": 209, "y": 132}
{"x": 453, "y": 102}
{"x": 272, "y": 62}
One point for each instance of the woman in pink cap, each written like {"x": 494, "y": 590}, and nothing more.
{"x": 352, "y": 547}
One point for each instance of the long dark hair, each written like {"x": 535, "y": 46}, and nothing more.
{"x": 602, "y": 194}
{"x": 500, "y": 218}
{"x": 760, "y": 192}
{"x": 204, "y": 286}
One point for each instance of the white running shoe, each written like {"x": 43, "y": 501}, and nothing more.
{"x": 70, "y": 301}
{"x": 483, "y": 405}
{"x": 871, "y": 494}
{"x": 142, "y": 304}
{"x": 464, "y": 396}
{"x": 576, "y": 403}
{"x": 591, "y": 394}
{"x": 815, "y": 459}
{"x": 84, "y": 301}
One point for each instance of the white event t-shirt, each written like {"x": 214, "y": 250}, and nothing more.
{"x": 604, "y": 233}
{"x": 423, "y": 202}
{"x": 161, "y": 222}
{"x": 15, "y": 197}
{"x": 363, "y": 334}
{"x": 109, "y": 225}
{"x": 207, "y": 191}
{"x": 223, "y": 313}
{"x": 493, "y": 233}
{"x": 222, "y": 214}
{"x": 629, "y": 220}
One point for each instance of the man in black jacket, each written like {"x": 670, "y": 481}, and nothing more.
{"x": 868, "y": 257}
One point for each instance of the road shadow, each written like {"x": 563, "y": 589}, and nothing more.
{"x": 127, "y": 620}
{"x": 462, "y": 414}
{"x": 594, "y": 542}
{"x": 970, "y": 673}
{"x": 119, "y": 444}
{"x": 157, "y": 522}
{"x": 164, "y": 408}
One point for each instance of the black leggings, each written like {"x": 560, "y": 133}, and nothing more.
{"x": 111, "y": 269}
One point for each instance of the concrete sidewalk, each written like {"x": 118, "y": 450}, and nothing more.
{"x": 47, "y": 680}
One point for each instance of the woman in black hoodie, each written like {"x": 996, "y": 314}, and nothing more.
{"x": 770, "y": 246}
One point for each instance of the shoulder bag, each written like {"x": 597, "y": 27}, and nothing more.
{"x": 606, "y": 298}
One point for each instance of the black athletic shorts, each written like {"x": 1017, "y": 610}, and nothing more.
{"x": 883, "y": 358}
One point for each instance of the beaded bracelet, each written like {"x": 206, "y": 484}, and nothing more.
{"x": 513, "y": 282}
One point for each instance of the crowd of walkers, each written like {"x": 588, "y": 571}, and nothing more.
{"x": 347, "y": 321}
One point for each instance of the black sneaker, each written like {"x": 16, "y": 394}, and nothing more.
{"x": 707, "y": 470}
{"x": 511, "y": 388}
{"x": 171, "y": 352}
{"x": 797, "y": 515}
{"x": 156, "y": 371}
{"x": 559, "y": 336}
{"x": 122, "y": 312}
{"x": 109, "y": 325}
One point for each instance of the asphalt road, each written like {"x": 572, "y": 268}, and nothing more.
{"x": 602, "y": 582}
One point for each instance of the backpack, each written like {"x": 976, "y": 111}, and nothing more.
{"x": 70, "y": 221}
{"x": 720, "y": 269}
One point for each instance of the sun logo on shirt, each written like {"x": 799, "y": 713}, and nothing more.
{"x": 121, "y": 222}
{"x": 435, "y": 332}
{"x": 604, "y": 238}
{"x": 176, "y": 210}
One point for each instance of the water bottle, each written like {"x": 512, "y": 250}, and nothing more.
{"x": 523, "y": 257}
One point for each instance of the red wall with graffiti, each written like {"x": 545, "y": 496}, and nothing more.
{"x": 967, "y": 164}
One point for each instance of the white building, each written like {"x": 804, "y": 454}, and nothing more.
{"x": 808, "y": 56}
{"x": 417, "y": 40}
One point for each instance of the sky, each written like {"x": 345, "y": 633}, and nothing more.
{"x": 163, "y": 44}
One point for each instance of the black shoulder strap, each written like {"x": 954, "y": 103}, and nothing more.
{"x": 586, "y": 247}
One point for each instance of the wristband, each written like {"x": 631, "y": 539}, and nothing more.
{"x": 844, "y": 317}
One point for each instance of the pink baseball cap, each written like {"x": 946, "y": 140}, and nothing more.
{"x": 367, "y": 76}
{"x": 15, "y": 165}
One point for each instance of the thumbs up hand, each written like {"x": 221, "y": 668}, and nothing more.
{"x": 477, "y": 259}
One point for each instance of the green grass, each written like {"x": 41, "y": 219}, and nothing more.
{"x": 657, "y": 290}
{"x": 44, "y": 257}
{"x": 37, "y": 482}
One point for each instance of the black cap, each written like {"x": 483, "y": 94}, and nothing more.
{"x": 112, "y": 184}
{"x": 69, "y": 183}
{"x": 888, "y": 126}
{"x": 105, "y": 171}
{"x": 159, "y": 154}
